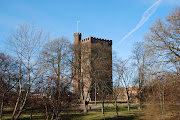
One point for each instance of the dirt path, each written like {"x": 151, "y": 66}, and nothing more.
{"x": 91, "y": 106}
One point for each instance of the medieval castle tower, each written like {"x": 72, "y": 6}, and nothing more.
{"x": 92, "y": 66}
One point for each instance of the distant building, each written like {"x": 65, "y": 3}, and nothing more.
{"x": 92, "y": 65}
{"x": 133, "y": 91}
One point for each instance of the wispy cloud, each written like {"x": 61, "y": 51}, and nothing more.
{"x": 145, "y": 17}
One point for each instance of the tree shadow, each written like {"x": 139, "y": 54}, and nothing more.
{"x": 130, "y": 117}
{"x": 63, "y": 117}
{"x": 71, "y": 116}
{"x": 110, "y": 109}
{"x": 34, "y": 118}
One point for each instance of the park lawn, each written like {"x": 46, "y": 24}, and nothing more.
{"x": 26, "y": 116}
{"x": 110, "y": 113}
{"x": 94, "y": 114}
{"x": 123, "y": 115}
{"x": 37, "y": 116}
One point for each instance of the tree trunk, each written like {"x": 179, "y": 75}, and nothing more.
{"x": 85, "y": 106}
{"x": 140, "y": 87}
{"x": 2, "y": 105}
{"x": 162, "y": 104}
{"x": 31, "y": 111}
{"x": 19, "y": 95}
{"x": 25, "y": 98}
{"x": 47, "y": 114}
{"x": 17, "y": 102}
{"x": 116, "y": 107}
{"x": 128, "y": 106}
{"x": 103, "y": 106}
{"x": 52, "y": 117}
{"x": 140, "y": 101}
{"x": 21, "y": 108}
{"x": 128, "y": 98}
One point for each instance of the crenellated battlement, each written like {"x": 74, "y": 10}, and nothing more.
{"x": 86, "y": 39}
{"x": 77, "y": 33}
{"x": 94, "y": 39}
{"x": 100, "y": 39}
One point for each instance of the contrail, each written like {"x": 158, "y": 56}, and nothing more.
{"x": 145, "y": 17}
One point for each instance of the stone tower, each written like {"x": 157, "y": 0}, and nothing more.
{"x": 77, "y": 62}
{"x": 92, "y": 65}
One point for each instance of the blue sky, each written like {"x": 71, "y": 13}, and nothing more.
{"x": 108, "y": 19}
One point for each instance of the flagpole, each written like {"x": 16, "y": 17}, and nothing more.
{"x": 77, "y": 25}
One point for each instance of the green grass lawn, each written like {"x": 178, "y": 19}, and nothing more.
{"x": 26, "y": 116}
{"x": 95, "y": 114}
{"x": 110, "y": 113}
{"x": 108, "y": 116}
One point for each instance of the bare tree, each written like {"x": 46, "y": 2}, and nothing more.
{"x": 162, "y": 96}
{"x": 58, "y": 54}
{"x": 140, "y": 61}
{"x": 26, "y": 42}
{"x": 163, "y": 37}
{"x": 8, "y": 68}
{"x": 125, "y": 78}
{"x": 117, "y": 89}
{"x": 163, "y": 45}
